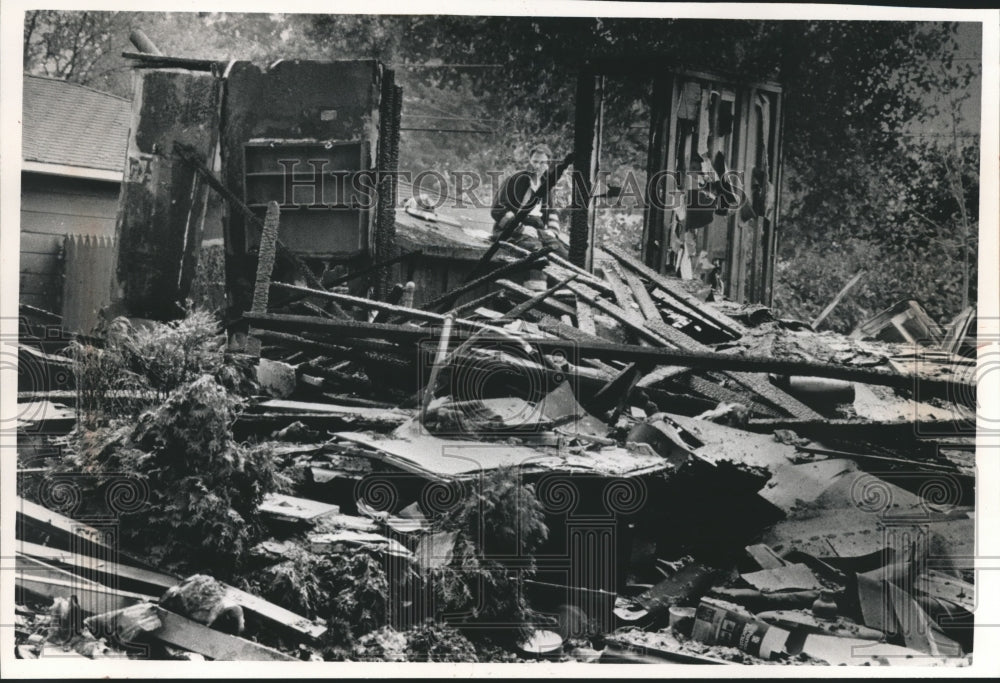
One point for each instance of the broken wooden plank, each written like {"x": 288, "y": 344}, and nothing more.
{"x": 765, "y": 556}
{"x": 268, "y": 610}
{"x": 690, "y": 302}
{"x": 354, "y": 350}
{"x": 524, "y": 294}
{"x": 448, "y": 298}
{"x": 461, "y": 310}
{"x": 763, "y": 387}
{"x": 67, "y": 533}
{"x": 154, "y": 582}
{"x": 539, "y": 298}
{"x": 296, "y": 509}
{"x": 408, "y": 335}
{"x": 721, "y": 394}
{"x": 623, "y": 296}
{"x": 631, "y": 322}
{"x": 395, "y": 415}
{"x": 186, "y": 634}
{"x": 372, "y": 304}
{"x": 836, "y": 300}
{"x": 585, "y": 317}
{"x": 559, "y": 268}
{"x": 56, "y": 582}
{"x": 44, "y": 580}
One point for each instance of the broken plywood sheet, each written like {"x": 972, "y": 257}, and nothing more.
{"x": 438, "y": 458}
{"x": 507, "y": 413}
{"x": 615, "y": 461}
{"x": 444, "y": 459}
{"x": 372, "y": 414}
{"x": 35, "y": 412}
{"x": 727, "y": 444}
{"x": 298, "y": 509}
{"x": 154, "y": 582}
{"x": 795, "y": 484}
{"x": 330, "y": 539}
{"x": 794, "y": 577}
{"x": 860, "y": 513}
{"x": 881, "y": 404}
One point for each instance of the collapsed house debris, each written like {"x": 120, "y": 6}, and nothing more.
{"x": 800, "y": 508}
{"x": 541, "y": 460}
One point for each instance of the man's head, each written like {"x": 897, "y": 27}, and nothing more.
{"x": 539, "y": 157}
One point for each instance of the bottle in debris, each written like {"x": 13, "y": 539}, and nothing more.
{"x": 825, "y": 606}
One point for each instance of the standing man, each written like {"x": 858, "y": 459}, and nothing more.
{"x": 541, "y": 226}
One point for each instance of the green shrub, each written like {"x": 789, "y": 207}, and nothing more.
{"x": 139, "y": 365}
{"x": 500, "y": 527}
{"x": 203, "y": 487}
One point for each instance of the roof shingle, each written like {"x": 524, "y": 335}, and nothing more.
{"x": 73, "y": 125}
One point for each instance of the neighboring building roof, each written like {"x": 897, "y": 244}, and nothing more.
{"x": 70, "y": 129}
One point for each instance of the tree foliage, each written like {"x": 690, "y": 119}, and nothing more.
{"x": 202, "y": 488}
{"x": 499, "y": 528}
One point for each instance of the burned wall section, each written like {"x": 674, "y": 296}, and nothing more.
{"x": 162, "y": 201}
{"x": 323, "y": 102}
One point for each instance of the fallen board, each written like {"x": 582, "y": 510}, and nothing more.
{"x": 372, "y": 414}
{"x": 296, "y": 509}
{"x": 67, "y": 533}
{"x": 153, "y": 582}
{"x": 447, "y": 459}
{"x": 156, "y": 581}
{"x": 689, "y": 302}
{"x": 268, "y": 610}
{"x": 190, "y": 635}
{"x": 51, "y": 582}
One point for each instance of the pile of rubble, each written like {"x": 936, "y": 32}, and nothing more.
{"x": 712, "y": 485}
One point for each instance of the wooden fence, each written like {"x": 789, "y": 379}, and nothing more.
{"x": 87, "y": 284}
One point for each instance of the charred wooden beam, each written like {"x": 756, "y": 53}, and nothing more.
{"x": 408, "y": 335}
{"x": 372, "y": 268}
{"x": 525, "y": 294}
{"x": 539, "y": 298}
{"x": 458, "y": 311}
{"x": 470, "y": 285}
{"x": 558, "y": 265}
{"x": 348, "y": 351}
{"x": 265, "y": 257}
{"x": 688, "y": 301}
{"x": 155, "y": 61}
